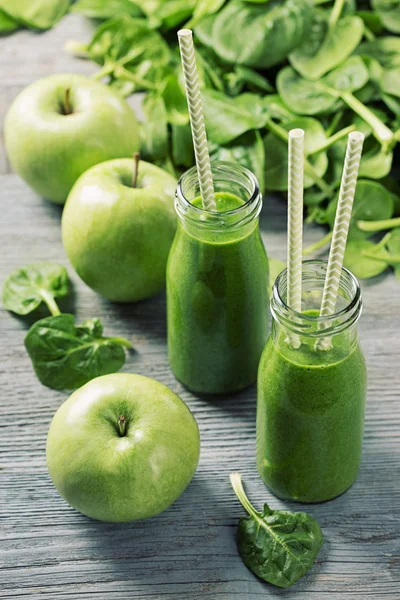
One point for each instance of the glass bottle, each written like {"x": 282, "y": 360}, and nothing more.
{"x": 217, "y": 283}
{"x": 310, "y": 401}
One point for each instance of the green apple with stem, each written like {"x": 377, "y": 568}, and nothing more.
{"x": 60, "y": 126}
{"x": 122, "y": 447}
{"x": 117, "y": 228}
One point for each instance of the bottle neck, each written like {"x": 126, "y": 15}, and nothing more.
{"x": 227, "y": 222}
{"x": 307, "y": 328}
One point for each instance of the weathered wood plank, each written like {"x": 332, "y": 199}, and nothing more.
{"x": 49, "y": 550}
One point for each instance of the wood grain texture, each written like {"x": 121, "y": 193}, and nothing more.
{"x": 48, "y": 550}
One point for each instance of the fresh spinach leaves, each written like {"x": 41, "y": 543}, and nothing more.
{"x": 65, "y": 356}
{"x": 277, "y": 545}
{"x": 26, "y": 288}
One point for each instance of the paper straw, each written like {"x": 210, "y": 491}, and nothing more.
{"x": 295, "y": 223}
{"x": 196, "y": 115}
{"x": 341, "y": 229}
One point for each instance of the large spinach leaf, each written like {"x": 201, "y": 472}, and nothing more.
{"x": 327, "y": 45}
{"x": 277, "y": 545}
{"x": 389, "y": 13}
{"x": 7, "y": 23}
{"x": 257, "y": 35}
{"x": 227, "y": 118}
{"x": 26, "y": 288}
{"x": 66, "y": 357}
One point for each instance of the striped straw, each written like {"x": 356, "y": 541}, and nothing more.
{"x": 295, "y": 223}
{"x": 340, "y": 230}
{"x": 197, "y": 119}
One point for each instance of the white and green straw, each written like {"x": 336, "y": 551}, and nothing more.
{"x": 295, "y": 223}
{"x": 340, "y": 230}
{"x": 197, "y": 119}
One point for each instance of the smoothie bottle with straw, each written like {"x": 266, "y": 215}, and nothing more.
{"x": 312, "y": 375}
{"x": 310, "y": 406}
{"x": 217, "y": 273}
{"x": 217, "y": 280}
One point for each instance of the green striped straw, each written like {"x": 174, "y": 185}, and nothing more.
{"x": 196, "y": 115}
{"x": 340, "y": 230}
{"x": 295, "y": 224}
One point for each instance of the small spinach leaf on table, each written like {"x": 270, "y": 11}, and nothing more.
{"x": 363, "y": 267}
{"x": 277, "y": 545}
{"x": 227, "y": 118}
{"x": 246, "y": 150}
{"x": 389, "y": 13}
{"x": 326, "y": 47}
{"x": 241, "y": 32}
{"x": 372, "y": 202}
{"x": 26, "y": 288}
{"x": 65, "y": 356}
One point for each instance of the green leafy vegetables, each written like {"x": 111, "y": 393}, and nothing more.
{"x": 265, "y": 67}
{"x": 64, "y": 356}
{"x": 277, "y": 545}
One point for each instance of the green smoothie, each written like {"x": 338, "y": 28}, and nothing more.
{"x": 217, "y": 301}
{"x": 310, "y": 417}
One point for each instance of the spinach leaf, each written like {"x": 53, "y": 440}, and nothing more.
{"x": 386, "y": 50}
{"x": 182, "y": 146}
{"x": 246, "y": 150}
{"x": 276, "y": 156}
{"x": 363, "y": 267}
{"x": 390, "y": 81}
{"x": 129, "y": 47}
{"x": 389, "y": 13}
{"x": 175, "y": 101}
{"x": 65, "y": 357}
{"x": 327, "y": 45}
{"x": 393, "y": 245}
{"x": 303, "y": 96}
{"x": 227, "y": 118}
{"x": 26, "y": 288}
{"x": 204, "y": 8}
{"x": 277, "y": 109}
{"x": 99, "y": 9}
{"x": 372, "y": 202}
{"x": 242, "y": 32}
{"x": 241, "y": 76}
{"x": 277, "y": 545}
{"x": 38, "y": 14}
{"x": 154, "y": 132}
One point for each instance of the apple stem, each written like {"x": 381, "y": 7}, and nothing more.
{"x": 136, "y": 159}
{"x": 121, "y": 425}
{"x": 67, "y": 105}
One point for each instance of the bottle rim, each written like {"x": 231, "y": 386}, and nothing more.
{"x": 222, "y": 171}
{"x": 300, "y": 323}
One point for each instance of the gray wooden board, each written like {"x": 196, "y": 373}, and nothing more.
{"x": 48, "y": 550}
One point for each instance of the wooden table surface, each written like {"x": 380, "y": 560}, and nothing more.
{"x": 48, "y": 550}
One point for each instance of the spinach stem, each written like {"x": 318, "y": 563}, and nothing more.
{"x": 123, "y": 73}
{"x": 382, "y": 133}
{"x": 317, "y": 245}
{"x": 50, "y": 302}
{"x": 334, "y": 123}
{"x": 332, "y": 139}
{"x": 383, "y": 242}
{"x": 335, "y": 14}
{"x": 110, "y": 66}
{"x": 119, "y": 340}
{"x": 388, "y": 258}
{"x": 368, "y": 34}
{"x": 373, "y": 226}
{"x": 236, "y": 482}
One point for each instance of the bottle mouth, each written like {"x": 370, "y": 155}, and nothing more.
{"x": 227, "y": 177}
{"x": 348, "y": 306}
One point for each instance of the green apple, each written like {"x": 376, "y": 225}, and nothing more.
{"x": 60, "y": 126}
{"x": 122, "y": 447}
{"x": 118, "y": 235}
